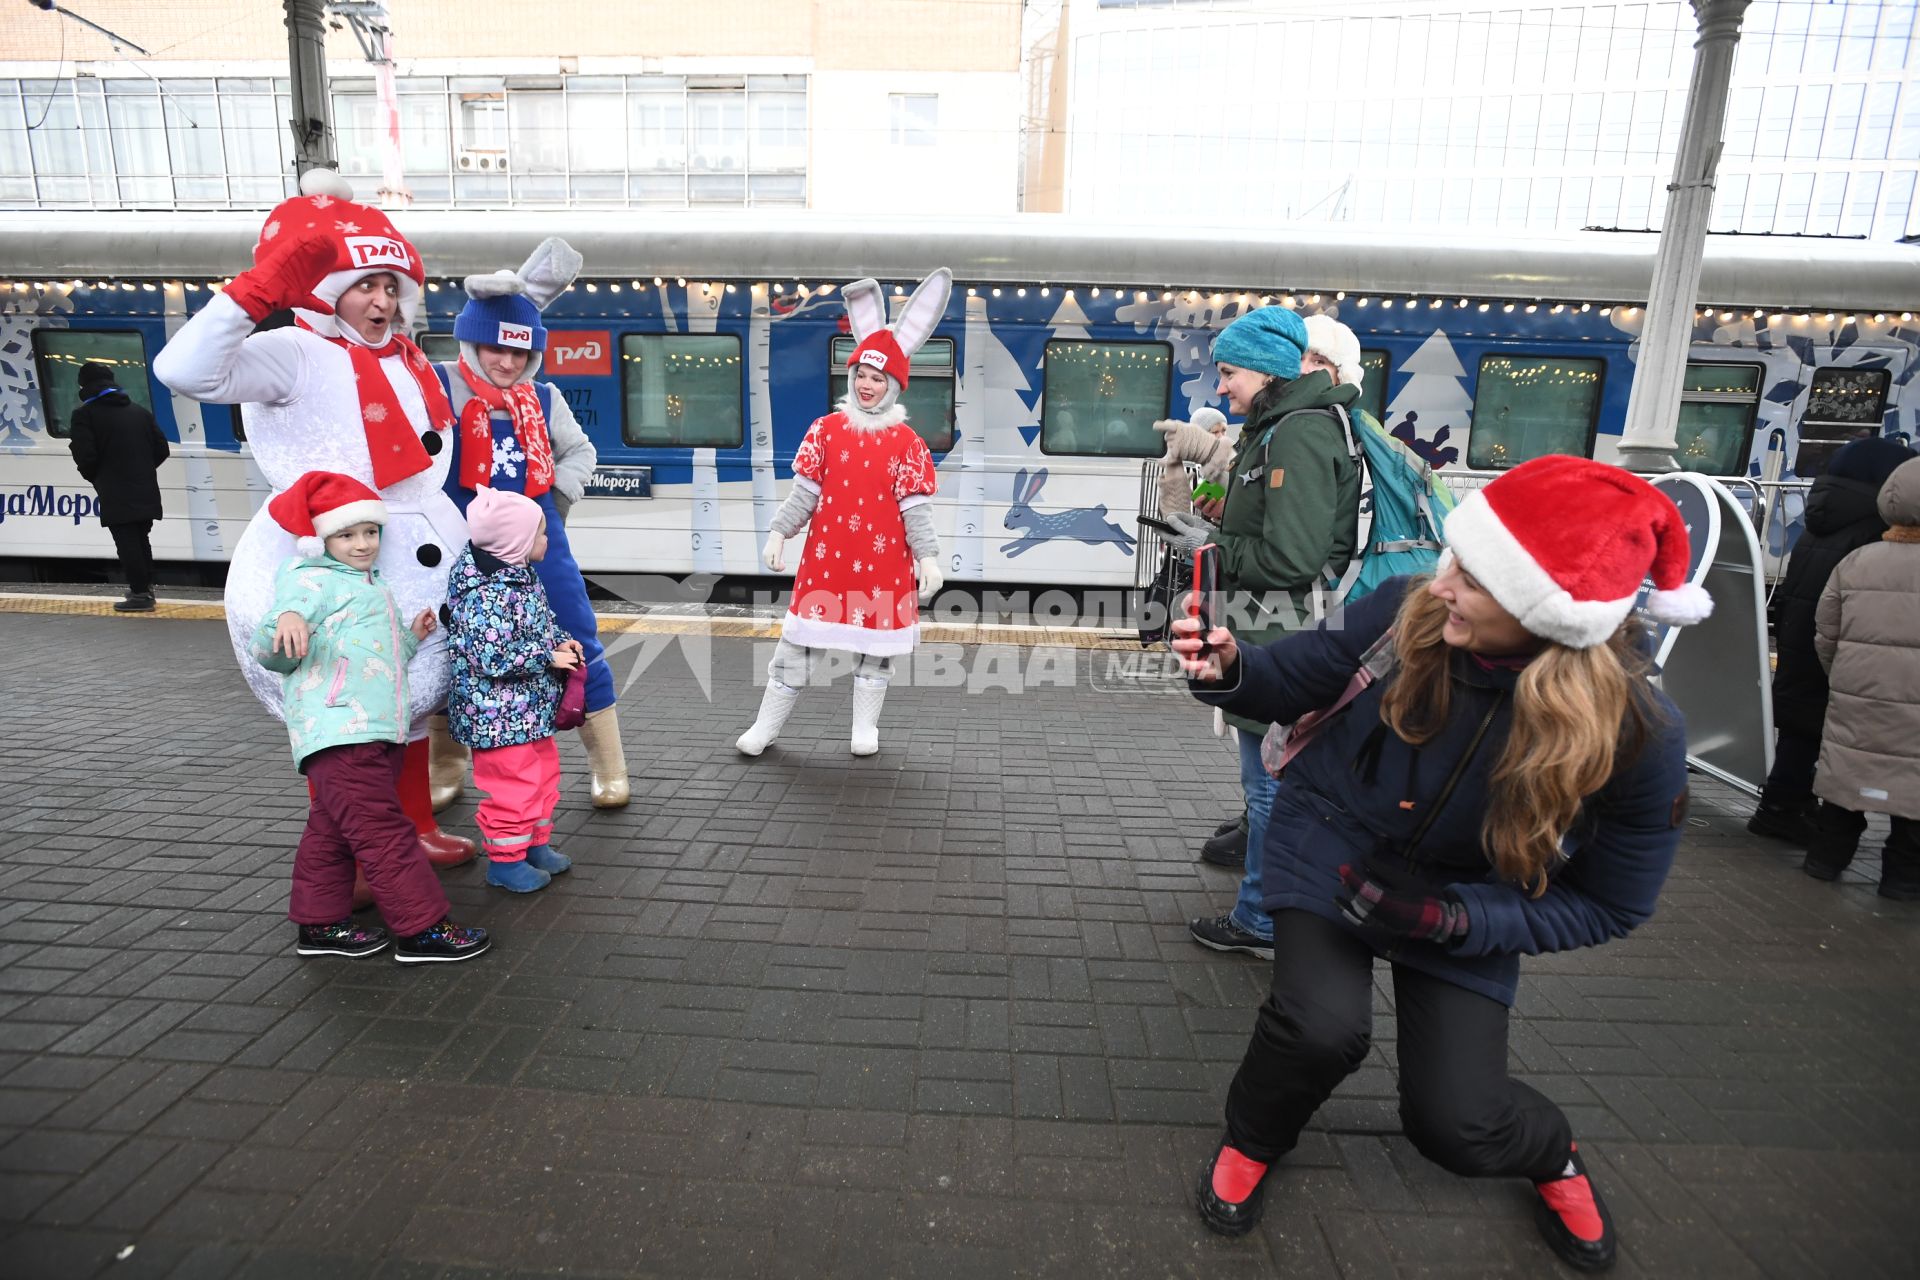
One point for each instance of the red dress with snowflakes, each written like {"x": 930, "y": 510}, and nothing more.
{"x": 855, "y": 588}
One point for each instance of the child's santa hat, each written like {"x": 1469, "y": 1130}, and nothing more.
{"x": 363, "y": 240}
{"x": 322, "y": 503}
{"x": 1565, "y": 545}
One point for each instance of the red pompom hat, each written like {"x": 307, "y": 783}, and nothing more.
{"x": 321, "y": 504}
{"x": 881, "y": 350}
{"x": 364, "y": 242}
{"x": 1565, "y": 545}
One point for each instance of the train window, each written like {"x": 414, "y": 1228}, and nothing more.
{"x": 929, "y": 394}
{"x": 681, "y": 392}
{"x": 440, "y": 346}
{"x": 1373, "y": 384}
{"x": 58, "y": 355}
{"x": 1852, "y": 398}
{"x": 1102, "y": 398}
{"x": 1529, "y": 406}
{"x": 1718, "y": 405}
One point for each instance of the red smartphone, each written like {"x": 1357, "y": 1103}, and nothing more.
{"x": 1203, "y": 605}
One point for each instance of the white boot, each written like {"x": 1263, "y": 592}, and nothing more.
{"x": 447, "y": 763}
{"x": 600, "y": 735}
{"x": 868, "y": 697}
{"x": 775, "y": 705}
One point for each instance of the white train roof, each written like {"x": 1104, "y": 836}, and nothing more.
{"x": 1739, "y": 271}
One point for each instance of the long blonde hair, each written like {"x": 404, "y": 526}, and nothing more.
{"x": 1575, "y": 713}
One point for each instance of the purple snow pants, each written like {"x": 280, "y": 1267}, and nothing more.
{"x": 356, "y": 814}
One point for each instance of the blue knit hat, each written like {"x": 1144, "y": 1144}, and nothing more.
{"x": 509, "y": 320}
{"x": 1270, "y": 340}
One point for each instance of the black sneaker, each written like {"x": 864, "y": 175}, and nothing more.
{"x": 1231, "y": 824}
{"x": 1222, "y": 934}
{"x": 348, "y": 938}
{"x": 1573, "y": 1218}
{"x": 441, "y": 944}
{"x": 142, "y": 603}
{"x": 1228, "y": 849}
{"x": 1230, "y": 1217}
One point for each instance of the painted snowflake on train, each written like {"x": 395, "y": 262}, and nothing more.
{"x": 21, "y": 420}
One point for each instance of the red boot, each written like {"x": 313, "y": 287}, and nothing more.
{"x": 1573, "y": 1217}
{"x": 416, "y": 799}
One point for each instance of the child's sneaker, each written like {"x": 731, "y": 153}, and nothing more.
{"x": 348, "y": 938}
{"x": 518, "y": 876}
{"x": 444, "y": 942}
{"x": 544, "y": 857}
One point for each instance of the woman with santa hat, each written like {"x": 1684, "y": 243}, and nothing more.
{"x": 864, "y": 481}
{"x": 518, "y": 435}
{"x": 1487, "y": 773}
{"x": 344, "y": 390}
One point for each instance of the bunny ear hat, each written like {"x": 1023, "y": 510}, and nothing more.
{"x": 890, "y": 348}
{"x": 503, "y": 307}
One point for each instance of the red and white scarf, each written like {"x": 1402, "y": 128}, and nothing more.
{"x": 521, "y": 404}
{"x": 391, "y": 443}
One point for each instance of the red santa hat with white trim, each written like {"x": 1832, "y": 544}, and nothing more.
{"x": 364, "y": 242}
{"x": 322, "y": 503}
{"x": 1565, "y": 545}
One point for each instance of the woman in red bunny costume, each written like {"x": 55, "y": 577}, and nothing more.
{"x": 346, "y": 391}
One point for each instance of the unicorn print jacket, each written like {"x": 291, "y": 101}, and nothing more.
{"x": 352, "y": 685}
{"x": 501, "y": 633}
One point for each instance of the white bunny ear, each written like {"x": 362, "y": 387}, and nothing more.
{"x": 923, "y": 311}
{"x": 494, "y": 284}
{"x": 549, "y": 270}
{"x": 866, "y": 308}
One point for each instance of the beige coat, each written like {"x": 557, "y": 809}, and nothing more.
{"x": 1868, "y": 637}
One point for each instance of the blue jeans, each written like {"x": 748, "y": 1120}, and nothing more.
{"x": 1260, "y": 787}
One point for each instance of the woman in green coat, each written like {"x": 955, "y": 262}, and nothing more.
{"x": 1291, "y": 518}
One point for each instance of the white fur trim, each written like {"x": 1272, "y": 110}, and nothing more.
{"x": 1489, "y": 551}
{"x": 348, "y": 514}
{"x": 494, "y": 284}
{"x": 812, "y": 633}
{"x": 325, "y": 182}
{"x": 311, "y": 548}
{"x": 858, "y": 418}
{"x": 1681, "y": 607}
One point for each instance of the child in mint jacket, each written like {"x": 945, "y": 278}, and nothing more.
{"x": 336, "y": 637}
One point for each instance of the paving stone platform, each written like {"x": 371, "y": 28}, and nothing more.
{"x": 930, "y": 1013}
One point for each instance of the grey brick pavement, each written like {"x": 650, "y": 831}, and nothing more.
{"x": 929, "y": 1013}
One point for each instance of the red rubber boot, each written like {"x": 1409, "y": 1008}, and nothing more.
{"x": 416, "y": 800}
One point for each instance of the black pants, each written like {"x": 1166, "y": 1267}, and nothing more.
{"x": 136, "y": 554}
{"x": 1836, "y": 838}
{"x": 1790, "y": 781}
{"x": 1457, "y": 1103}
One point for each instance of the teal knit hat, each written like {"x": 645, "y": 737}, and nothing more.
{"x": 1270, "y": 340}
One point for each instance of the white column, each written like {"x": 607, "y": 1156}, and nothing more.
{"x": 1653, "y": 406}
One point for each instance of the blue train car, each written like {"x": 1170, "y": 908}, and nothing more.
{"x": 696, "y": 350}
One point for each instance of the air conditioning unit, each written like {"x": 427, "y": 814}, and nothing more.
{"x": 469, "y": 161}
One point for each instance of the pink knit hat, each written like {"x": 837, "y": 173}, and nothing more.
{"x": 503, "y": 524}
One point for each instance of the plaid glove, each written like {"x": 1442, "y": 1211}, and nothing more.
{"x": 1364, "y": 900}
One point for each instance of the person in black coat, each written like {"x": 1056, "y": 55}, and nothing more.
{"x": 1841, "y": 516}
{"x": 118, "y": 448}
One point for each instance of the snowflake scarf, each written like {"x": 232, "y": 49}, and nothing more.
{"x": 391, "y": 443}
{"x": 521, "y": 404}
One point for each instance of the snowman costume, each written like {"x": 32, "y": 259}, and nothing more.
{"x": 524, "y": 439}
{"x": 864, "y": 480}
{"x": 318, "y": 397}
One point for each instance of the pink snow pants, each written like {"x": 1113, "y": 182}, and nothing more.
{"x": 523, "y": 785}
{"x": 355, "y": 814}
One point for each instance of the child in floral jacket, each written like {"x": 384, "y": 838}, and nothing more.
{"x": 510, "y": 656}
{"x": 336, "y": 637}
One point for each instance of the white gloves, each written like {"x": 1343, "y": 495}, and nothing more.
{"x": 931, "y": 579}
{"x": 770, "y": 554}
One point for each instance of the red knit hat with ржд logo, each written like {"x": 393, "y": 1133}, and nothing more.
{"x": 361, "y": 240}
{"x": 882, "y": 351}
{"x": 322, "y": 503}
{"x": 1565, "y": 544}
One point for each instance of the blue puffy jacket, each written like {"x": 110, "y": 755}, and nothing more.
{"x": 1358, "y": 792}
{"x": 500, "y": 638}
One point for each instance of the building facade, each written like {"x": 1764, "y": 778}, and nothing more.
{"x": 831, "y": 104}
{"x": 1498, "y": 115}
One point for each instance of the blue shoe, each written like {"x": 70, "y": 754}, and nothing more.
{"x": 548, "y": 859}
{"x": 516, "y": 877}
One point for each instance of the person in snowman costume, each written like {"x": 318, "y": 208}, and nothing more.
{"x": 518, "y": 435}
{"x": 864, "y": 479}
{"x": 343, "y": 390}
